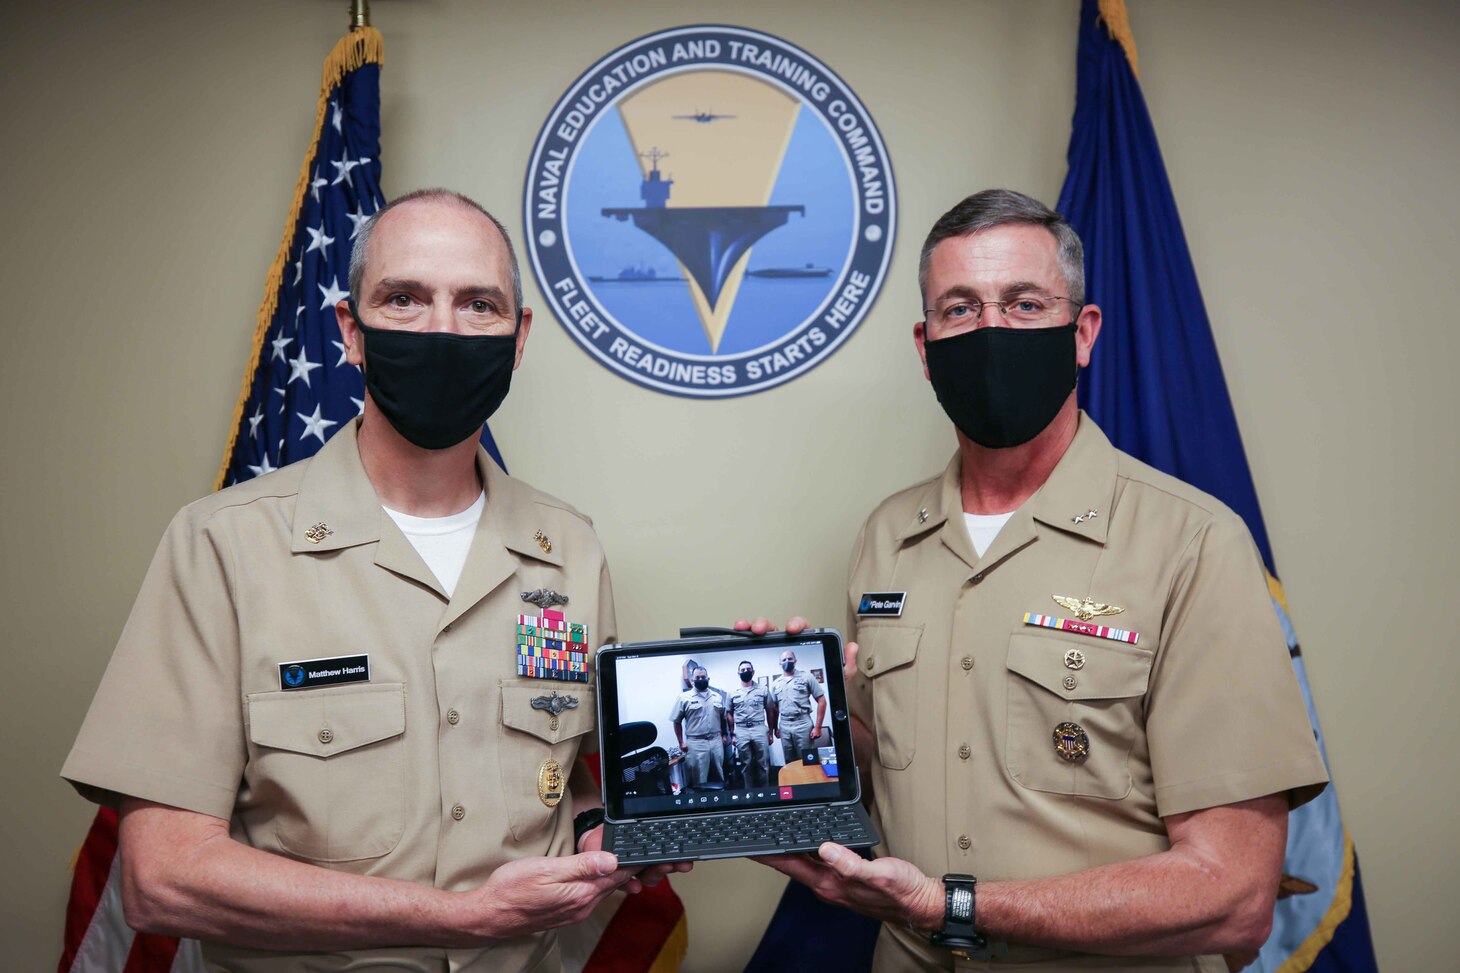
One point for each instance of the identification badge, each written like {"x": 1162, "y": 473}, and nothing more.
{"x": 551, "y": 647}
{"x": 314, "y": 673}
{"x": 887, "y": 603}
{"x": 550, "y": 782}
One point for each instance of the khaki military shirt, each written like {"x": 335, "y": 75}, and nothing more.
{"x": 749, "y": 705}
{"x": 794, "y": 694}
{"x": 703, "y": 713}
{"x": 964, "y": 697}
{"x": 428, "y": 771}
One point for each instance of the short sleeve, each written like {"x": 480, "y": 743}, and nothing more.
{"x": 1225, "y": 718}
{"x": 166, "y": 723}
{"x": 817, "y": 691}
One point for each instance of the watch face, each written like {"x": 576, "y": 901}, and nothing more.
{"x": 960, "y": 904}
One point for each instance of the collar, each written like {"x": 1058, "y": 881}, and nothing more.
{"x": 1084, "y": 480}
{"x": 336, "y": 493}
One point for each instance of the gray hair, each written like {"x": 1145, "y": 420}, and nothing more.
{"x": 1001, "y": 207}
{"x": 367, "y": 229}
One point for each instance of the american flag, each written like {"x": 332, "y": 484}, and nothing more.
{"x": 298, "y": 389}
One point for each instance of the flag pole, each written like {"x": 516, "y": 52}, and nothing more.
{"x": 359, "y": 14}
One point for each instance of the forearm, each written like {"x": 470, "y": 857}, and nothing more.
{"x": 183, "y": 880}
{"x": 1167, "y": 904}
{"x": 1211, "y": 892}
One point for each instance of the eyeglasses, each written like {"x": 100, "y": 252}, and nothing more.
{"x": 1024, "y": 310}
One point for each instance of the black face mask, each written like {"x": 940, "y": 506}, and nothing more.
{"x": 435, "y": 388}
{"x": 746, "y": 675}
{"x": 702, "y": 684}
{"x": 1003, "y": 386}
{"x": 788, "y": 666}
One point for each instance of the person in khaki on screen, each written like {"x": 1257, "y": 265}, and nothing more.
{"x": 408, "y": 815}
{"x": 1081, "y": 727}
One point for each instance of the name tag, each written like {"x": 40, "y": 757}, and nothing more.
{"x": 882, "y": 603}
{"x": 314, "y": 673}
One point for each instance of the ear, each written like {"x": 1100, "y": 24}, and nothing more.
{"x": 349, "y": 334}
{"x": 1087, "y": 329}
{"x": 522, "y": 330}
{"x": 920, "y": 337}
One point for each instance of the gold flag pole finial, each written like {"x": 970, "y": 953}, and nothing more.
{"x": 1117, "y": 22}
{"x": 359, "y": 14}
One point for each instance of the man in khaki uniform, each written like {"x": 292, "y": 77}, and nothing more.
{"x": 794, "y": 690}
{"x": 1073, "y": 684}
{"x": 750, "y": 712}
{"x": 699, "y": 713}
{"x": 323, "y": 746}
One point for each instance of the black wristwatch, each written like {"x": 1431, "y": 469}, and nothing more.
{"x": 958, "y": 933}
{"x": 584, "y": 823}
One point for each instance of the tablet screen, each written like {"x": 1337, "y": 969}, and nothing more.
{"x": 666, "y": 744}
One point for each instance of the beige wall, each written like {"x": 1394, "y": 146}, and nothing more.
{"x": 150, "y": 149}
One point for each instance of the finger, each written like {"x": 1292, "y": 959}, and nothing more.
{"x": 741, "y": 625}
{"x": 762, "y": 625}
{"x": 797, "y": 624}
{"x": 849, "y": 667}
{"x": 845, "y": 862}
{"x": 591, "y": 865}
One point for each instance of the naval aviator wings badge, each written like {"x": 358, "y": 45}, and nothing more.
{"x": 1084, "y": 608}
{"x": 1085, "y": 611}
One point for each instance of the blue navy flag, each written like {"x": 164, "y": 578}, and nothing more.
{"x": 298, "y": 389}
{"x": 1156, "y": 388}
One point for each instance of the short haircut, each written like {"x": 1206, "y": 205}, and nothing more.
{"x": 744, "y": 662}
{"x": 367, "y": 229}
{"x": 699, "y": 669}
{"x": 1002, "y": 207}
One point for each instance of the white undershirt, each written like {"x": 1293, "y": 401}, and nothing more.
{"x": 983, "y": 528}
{"x": 442, "y": 542}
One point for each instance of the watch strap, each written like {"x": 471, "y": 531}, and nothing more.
{"x": 585, "y": 822}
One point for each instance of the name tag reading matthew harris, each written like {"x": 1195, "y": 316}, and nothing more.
{"x": 314, "y": 673}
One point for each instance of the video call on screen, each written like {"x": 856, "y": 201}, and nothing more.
{"x": 658, "y": 776}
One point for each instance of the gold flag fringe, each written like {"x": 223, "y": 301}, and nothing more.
{"x": 1112, "y": 12}
{"x": 355, "y": 50}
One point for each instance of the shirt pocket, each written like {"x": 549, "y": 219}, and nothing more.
{"x": 886, "y": 655}
{"x": 1104, "y": 697}
{"x": 529, "y": 738}
{"x": 330, "y": 762}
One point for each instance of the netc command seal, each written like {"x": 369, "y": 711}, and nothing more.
{"x": 710, "y": 211}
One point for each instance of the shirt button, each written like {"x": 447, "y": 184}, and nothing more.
{"x": 965, "y": 751}
{"x": 458, "y": 812}
{"x": 978, "y": 577}
{"x": 445, "y": 629}
{"x": 967, "y": 662}
{"x": 453, "y": 717}
{"x": 1070, "y": 682}
{"x": 871, "y": 662}
{"x": 326, "y": 735}
{"x": 964, "y": 842}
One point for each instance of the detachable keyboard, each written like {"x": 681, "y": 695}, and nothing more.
{"x": 738, "y": 834}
